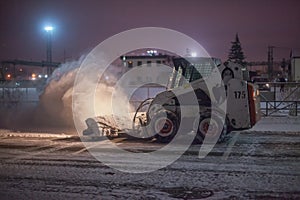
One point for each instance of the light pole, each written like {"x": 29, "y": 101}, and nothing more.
{"x": 49, "y": 30}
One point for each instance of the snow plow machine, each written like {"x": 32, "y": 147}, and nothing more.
{"x": 159, "y": 118}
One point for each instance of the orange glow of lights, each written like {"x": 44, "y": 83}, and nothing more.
{"x": 33, "y": 76}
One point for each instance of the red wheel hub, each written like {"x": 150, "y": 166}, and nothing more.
{"x": 164, "y": 126}
{"x": 209, "y": 126}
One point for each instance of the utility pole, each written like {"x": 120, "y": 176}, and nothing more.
{"x": 270, "y": 61}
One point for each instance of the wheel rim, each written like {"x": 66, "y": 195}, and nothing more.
{"x": 208, "y": 126}
{"x": 164, "y": 127}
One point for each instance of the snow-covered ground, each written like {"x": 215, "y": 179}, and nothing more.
{"x": 278, "y": 124}
{"x": 262, "y": 163}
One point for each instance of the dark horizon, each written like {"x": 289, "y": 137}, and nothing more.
{"x": 81, "y": 25}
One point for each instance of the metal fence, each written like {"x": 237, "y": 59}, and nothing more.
{"x": 280, "y": 108}
{"x": 280, "y": 99}
{"x": 14, "y": 94}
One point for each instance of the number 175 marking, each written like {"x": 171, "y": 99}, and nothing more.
{"x": 240, "y": 94}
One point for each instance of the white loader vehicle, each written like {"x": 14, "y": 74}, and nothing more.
{"x": 163, "y": 112}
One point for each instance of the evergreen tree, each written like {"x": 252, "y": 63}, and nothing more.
{"x": 236, "y": 53}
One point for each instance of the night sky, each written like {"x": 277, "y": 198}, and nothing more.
{"x": 82, "y": 24}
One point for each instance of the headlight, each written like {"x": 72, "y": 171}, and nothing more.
{"x": 268, "y": 85}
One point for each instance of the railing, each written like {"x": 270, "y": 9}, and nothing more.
{"x": 280, "y": 108}
{"x": 281, "y": 99}
{"x": 13, "y": 95}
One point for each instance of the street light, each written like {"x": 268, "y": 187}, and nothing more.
{"x": 48, "y": 28}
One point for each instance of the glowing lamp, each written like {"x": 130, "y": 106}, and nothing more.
{"x": 48, "y": 28}
{"x": 194, "y": 54}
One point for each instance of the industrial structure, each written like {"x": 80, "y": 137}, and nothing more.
{"x": 20, "y": 70}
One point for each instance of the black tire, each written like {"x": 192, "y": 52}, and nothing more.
{"x": 165, "y": 126}
{"x": 204, "y": 126}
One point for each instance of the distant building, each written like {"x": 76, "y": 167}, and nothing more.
{"x": 261, "y": 69}
{"x": 148, "y": 90}
{"x": 135, "y": 61}
{"x": 295, "y": 69}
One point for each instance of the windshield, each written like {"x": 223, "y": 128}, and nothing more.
{"x": 191, "y": 69}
